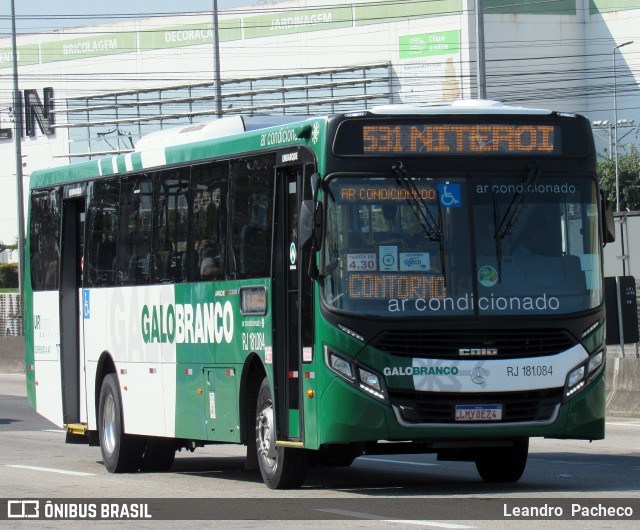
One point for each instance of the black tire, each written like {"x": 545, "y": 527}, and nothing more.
{"x": 280, "y": 467}
{"x": 159, "y": 454}
{"x": 121, "y": 452}
{"x": 503, "y": 464}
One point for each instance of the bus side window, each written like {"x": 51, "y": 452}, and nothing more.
{"x": 134, "y": 243}
{"x": 102, "y": 232}
{"x": 45, "y": 234}
{"x": 208, "y": 222}
{"x": 171, "y": 199}
{"x": 251, "y": 203}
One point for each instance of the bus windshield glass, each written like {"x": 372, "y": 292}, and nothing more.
{"x": 475, "y": 245}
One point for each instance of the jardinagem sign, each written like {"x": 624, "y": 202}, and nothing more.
{"x": 187, "y": 323}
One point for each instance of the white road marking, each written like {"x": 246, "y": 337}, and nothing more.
{"x": 372, "y": 517}
{"x": 396, "y": 461}
{"x": 52, "y": 470}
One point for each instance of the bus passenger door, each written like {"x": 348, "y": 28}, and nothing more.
{"x": 70, "y": 315}
{"x": 292, "y": 315}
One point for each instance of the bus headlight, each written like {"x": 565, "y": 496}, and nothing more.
{"x": 371, "y": 384}
{"x": 341, "y": 366}
{"x": 364, "y": 379}
{"x": 582, "y": 375}
{"x": 595, "y": 362}
{"x": 369, "y": 379}
{"x": 575, "y": 377}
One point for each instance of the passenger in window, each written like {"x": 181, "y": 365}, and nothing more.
{"x": 210, "y": 259}
{"x": 52, "y": 270}
{"x": 37, "y": 266}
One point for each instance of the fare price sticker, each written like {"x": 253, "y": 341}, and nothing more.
{"x": 362, "y": 261}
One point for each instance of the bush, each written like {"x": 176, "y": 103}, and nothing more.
{"x": 8, "y": 275}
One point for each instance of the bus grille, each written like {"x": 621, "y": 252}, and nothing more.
{"x": 437, "y": 407}
{"x": 443, "y": 344}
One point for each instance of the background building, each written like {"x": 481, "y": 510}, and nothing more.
{"x": 111, "y": 84}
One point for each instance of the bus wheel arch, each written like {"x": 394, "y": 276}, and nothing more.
{"x": 280, "y": 467}
{"x": 253, "y": 372}
{"x": 105, "y": 366}
{"x": 121, "y": 452}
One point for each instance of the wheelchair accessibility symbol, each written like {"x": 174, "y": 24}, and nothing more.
{"x": 449, "y": 195}
{"x": 86, "y": 304}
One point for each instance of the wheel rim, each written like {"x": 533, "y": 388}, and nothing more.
{"x": 109, "y": 424}
{"x": 265, "y": 435}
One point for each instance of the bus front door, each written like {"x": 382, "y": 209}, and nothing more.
{"x": 70, "y": 315}
{"x": 292, "y": 315}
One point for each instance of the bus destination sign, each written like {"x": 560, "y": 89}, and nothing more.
{"x": 458, "y": 139}
{"x": 372, "y": 137}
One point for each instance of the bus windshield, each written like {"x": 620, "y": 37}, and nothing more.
{"x": 461, "y": 245}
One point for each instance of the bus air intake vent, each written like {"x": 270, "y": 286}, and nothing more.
{"x": 474, "y": 344}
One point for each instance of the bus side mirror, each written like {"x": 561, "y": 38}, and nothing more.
{"x": 608, "y": 224}
{"x": 310, "y": 225}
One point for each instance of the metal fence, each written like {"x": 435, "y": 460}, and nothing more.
{"x": 111, "y": 123}
{"x": 11, "y": 315}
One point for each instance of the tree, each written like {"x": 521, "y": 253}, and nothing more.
{"x": 8, "y": 275}
{"x": 629, "y": 176}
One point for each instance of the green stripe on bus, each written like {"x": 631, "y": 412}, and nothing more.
{"x": 136, "y": 161}
{"x": 122, "y": 167}
{"x": 106, "y": 166}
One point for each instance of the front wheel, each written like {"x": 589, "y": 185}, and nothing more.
{"x": 280, "y": 467}
{"x": 120, "y": 452}
{"x": 503, "y": 464}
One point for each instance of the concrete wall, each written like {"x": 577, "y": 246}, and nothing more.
{"x": 11, "y": 355}
{"x": 623, "y": 387}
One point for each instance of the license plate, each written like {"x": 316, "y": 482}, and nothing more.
{"x": 478, "y": 412}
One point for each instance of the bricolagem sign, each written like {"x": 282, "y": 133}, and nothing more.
{"x": 32, "y": 110}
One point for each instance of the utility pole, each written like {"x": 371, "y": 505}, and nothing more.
{"x": 17, "y": 116}
{"x": 482, "y": 77}
{"x": 216, "y": 55}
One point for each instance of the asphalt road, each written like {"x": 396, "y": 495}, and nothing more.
{"x": 375, "y": 492}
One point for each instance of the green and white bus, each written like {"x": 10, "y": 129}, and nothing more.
{"x": 397, "y": 280}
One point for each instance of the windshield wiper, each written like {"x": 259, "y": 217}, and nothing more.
{"x": 509, "y": 220}
{"x": 431, "y": 226}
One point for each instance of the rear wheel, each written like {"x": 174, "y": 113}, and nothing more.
{"x": 280, "y": 467}
{"x": 120, "y": 452}
{"x": 503, "y": 464}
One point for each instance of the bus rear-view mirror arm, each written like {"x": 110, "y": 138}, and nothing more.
{"x": 310, "y": 231}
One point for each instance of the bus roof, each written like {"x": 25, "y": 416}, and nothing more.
{"x": 212, "y": 129}
{"x": 463, "y": 107}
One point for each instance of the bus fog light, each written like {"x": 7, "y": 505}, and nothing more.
{"x": 576, "y": 376}
{"x": 595, "y": 362}
{"x": 341, "y": 366}
{"x": 369, "y": 379}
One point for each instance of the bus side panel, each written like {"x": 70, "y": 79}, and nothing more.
{"x": 46, "y": 348}
{"x": 210, "y": 357}
{"x": 126, "y": 323}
